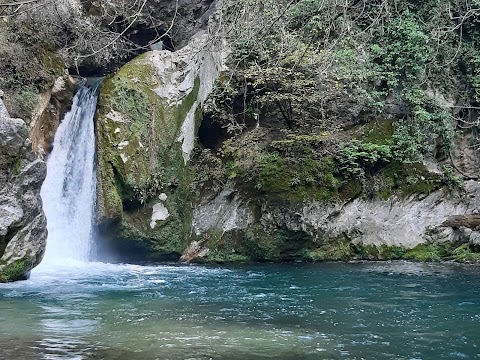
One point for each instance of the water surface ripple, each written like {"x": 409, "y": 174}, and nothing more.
{"x": 391, "y": 310}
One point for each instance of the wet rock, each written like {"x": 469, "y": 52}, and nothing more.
{"x": 360, "y": 228}
{"x": 53, "y": 105}
{"x": 23, "y": 230}
{"x": 405, "y": 223}
{"x": 195, "y": 251}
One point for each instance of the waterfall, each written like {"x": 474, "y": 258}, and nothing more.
{"x": 69, "y": 190}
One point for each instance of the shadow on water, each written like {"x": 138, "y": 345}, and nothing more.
{"x": 21, "y": 349}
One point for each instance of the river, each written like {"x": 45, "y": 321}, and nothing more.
{"x": 390, "y": 310}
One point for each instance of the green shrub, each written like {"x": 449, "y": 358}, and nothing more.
{"x": 357, "y": 159}
{"x": 416, "y": 136}
{"x": 402, "y": 52}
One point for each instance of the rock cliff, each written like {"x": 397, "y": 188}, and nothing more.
{"x": 23, "y": 230}
{"x": 428, "y": 227}
{"x": 320, "y": 133}
{"x": 147, "y": 118}
{"x": 296, "y": 153}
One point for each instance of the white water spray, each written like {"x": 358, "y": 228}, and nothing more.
{"x": 69, "y": 190}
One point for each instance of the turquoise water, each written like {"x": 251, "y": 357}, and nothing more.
{"x": 392, "y": 310}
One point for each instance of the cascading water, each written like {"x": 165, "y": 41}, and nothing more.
{"x": 69, "y": 190}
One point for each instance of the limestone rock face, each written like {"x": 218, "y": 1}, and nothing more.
{"x": 315, "y": 230}
{"x": 226, "y": 212}
{"x": 147, "y": 118}
{"x": 53, "y": 105}
{"x": 23, "y": 229}
{"x": 405, "y": 223}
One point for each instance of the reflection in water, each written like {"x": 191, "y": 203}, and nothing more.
{"x": 329, "y": 311}
{"x": 55, "y": 344}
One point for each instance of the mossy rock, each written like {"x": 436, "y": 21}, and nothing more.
{"x": 379, "y": 132}
{"x": 334, "y": 250}
{"x": 224, "y": 247}
{"x": 296, "y": 180}
{"x": 139, "y": 158}
{"x": 440, "y": 252}
{"x": 17, "y": 270}
{"x": 405, "y": 180}
{"x": 382, "y": 252}
{"x": 275, "y": 245}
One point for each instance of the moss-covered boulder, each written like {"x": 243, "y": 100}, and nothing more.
{"x": 147, "y": 118}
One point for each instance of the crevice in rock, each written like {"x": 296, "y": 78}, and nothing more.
{"x": 131, "y": 205}
{"x": 211, "y": 135}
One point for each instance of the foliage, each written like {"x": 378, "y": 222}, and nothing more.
{"x": 244, "y": 155}
{"x": 314, "y": 66}
{"x": 357, "y": 159}
{"x": 465, "y": 253}
{"x": 208, "y": 170}
{"x": 286, "y": 168}
{"x": 131, "y": 101}
{"x": 402, "y": 52}
{"x": 453, "y": 182}
{"x": 419, "y": 133}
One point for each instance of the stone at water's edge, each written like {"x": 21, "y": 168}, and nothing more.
{"x": 147, "y": 118}
{"x": 23, "y": 231}
{"x": 233, "y": 227}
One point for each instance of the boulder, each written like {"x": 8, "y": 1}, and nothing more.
{"x": 147, "y": 118}
{"x": 23, "y": 231}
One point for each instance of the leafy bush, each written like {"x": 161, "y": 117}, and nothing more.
{"x": 358, "y": 159}
{"x": 402, "y": 52}
{"x": 426, "y": 125}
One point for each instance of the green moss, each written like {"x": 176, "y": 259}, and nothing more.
{"x": 17, "y": 270}
{"x": 423, "y": 252}
{"x": 297, "y": 179}
{"x": 52, "y": 64}
{"x": 382, "y": 252}
{"x": 277, "y": 245}
{"x": 407, "y": 179}
{"x": 428, "y": 252}
{"x": 464, "y": 253}
{"x": 339, "y": 250}
{"x": 219, "y": 256}
{"x": 379, "y": 132}
{"x": 391, "y": 252}
{"x": 350, "y": 189}
{"x": 139, "y": 158}
{"x": 17, "y": 165}
{"x": 226, "y": 247}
